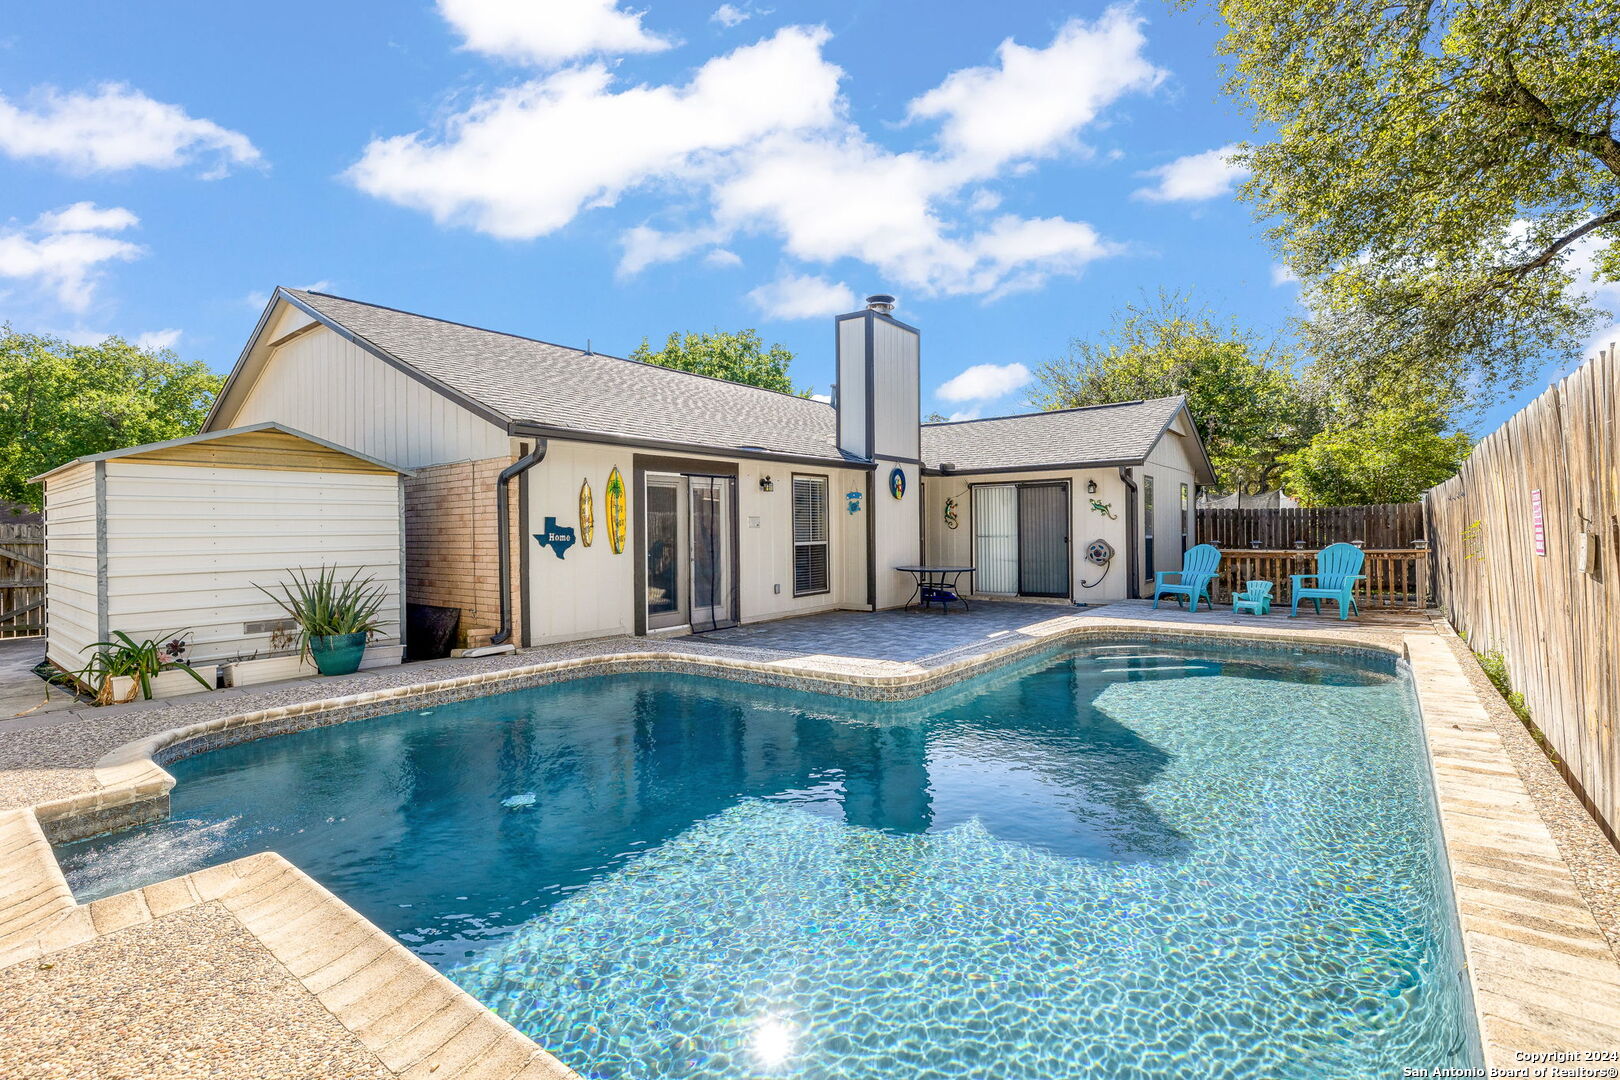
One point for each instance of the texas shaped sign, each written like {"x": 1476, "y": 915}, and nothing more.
{"x": 559, "y": 538}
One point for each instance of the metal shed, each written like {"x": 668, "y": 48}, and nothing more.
{"x": 176, "y": 535}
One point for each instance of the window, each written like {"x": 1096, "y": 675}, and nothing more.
{"x": 1186, "y": 518}
{"x": 1147, "y": 524}
{"x": 809, "y": 535}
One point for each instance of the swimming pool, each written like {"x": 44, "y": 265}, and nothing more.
{"x": 1126, "y": 860}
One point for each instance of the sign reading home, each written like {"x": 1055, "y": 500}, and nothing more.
{"x": 559, "y": 538}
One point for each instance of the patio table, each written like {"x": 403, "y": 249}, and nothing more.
{"x": 936, "y": 585}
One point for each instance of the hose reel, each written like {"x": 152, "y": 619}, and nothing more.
{"x": 1098, "y": 553}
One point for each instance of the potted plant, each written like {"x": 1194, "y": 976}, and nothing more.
{"x": 335, "y": 617}
{"x": 123, "y": 667}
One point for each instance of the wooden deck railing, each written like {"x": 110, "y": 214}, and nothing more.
{"x": 1395, "y": 578}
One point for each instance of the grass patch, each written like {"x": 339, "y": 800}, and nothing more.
{"x": 1495, "y": 667}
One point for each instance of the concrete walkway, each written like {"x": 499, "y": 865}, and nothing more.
{"x": 22, "y": 693}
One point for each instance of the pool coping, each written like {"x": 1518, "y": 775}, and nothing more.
{"x": 1542, "y": 976}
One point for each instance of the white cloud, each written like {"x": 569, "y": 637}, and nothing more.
{"x": 1281, "y": 275}
{"x": 729, "y": 15}
{"x": 1194, "y": 178}
{"x": 499, "y": 166}
{"x": 548, "y": 32}
{"x": 802, "y": 296}
{"x": 984, "y": 382}
{"x": 1034, "y": 101}
{"x": 644, "y": 246}
{"x": 116, "y": 128}
{"x": 759, "y": 142}
{"x": 62, "y": 250}
{"x": 156, "y": 340}
{"x": 723, "y": 257}
{"x": 964, "y": 414}
{"x": 825, "y": 399}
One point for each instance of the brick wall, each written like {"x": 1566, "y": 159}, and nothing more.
{"x": 451, "y": 555}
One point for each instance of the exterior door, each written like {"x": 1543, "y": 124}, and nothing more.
{"x": 1043, "y": 539}
{"x": 714, "y": 575}
{"x": 995, "y": 538}
{"x": 668, "y": 554}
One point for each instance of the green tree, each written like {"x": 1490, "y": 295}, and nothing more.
{"x": 1434, "y": 170}
{"x": 1389, "y": 455}
{"x": 736, "y": 356}
{"x": 60, "y": 401}
{"x": 1245, "y": 396}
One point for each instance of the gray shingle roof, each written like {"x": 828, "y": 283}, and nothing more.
{"x": 555, "y": 386}
{"x": 520, "y": 379}
{"x": 1095, "y": 435}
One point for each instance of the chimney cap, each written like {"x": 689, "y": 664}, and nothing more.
{"x": 882, "y": 303}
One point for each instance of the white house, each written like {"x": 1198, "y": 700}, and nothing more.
{"x": 741, "y": 504}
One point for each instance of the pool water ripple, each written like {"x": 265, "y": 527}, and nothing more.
{"x": 1095, "y": 865}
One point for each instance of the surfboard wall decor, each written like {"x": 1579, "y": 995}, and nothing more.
{"x": 587, "y": 514}
{"x": 615, "y": 511}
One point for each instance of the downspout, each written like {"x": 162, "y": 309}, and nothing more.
{"x": 1133, "y": 582}
{"x": 504, "y": 545}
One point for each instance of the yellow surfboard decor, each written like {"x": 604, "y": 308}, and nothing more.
{"x": 615, "y": 511}
{"x": 587, "y": 514}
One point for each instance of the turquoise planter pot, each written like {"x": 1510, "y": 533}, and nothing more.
{"x": 338, "y": 654}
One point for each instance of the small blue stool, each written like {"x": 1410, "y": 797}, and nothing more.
{"x": 1255, "y": 597}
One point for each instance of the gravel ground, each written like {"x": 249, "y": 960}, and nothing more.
{"x": 1592, "y": 860}
{"x": 145, "y": 1003}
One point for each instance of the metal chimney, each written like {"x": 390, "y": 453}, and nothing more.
{"x": 882, "y": 303}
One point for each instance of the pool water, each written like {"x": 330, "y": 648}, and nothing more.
{"x": 1124, "y": 861}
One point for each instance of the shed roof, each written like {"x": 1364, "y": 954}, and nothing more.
{"x": 546, "y": 386}
{"x": 1087, "y": 437}
{"x": 267, "y": 446}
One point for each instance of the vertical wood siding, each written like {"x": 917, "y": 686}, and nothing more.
{"x": 322, "y": 384}
{"x": 1556, "y": 626}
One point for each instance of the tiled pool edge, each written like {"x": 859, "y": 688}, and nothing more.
{"x": 1542, "y": 975}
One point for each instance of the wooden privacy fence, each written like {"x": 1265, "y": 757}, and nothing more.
{"x": 1395, "y": 579}
{"x": 22, "y": 580}
{"x": 1384, "y": 526}
{"x": 1527, "y": 538}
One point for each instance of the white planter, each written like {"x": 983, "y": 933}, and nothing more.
{"x": 166, "y": 684}
{"x": 269, "y": 669}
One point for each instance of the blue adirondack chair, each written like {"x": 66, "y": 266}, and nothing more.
{"x": 1197, "y": 571}
{"x": 1338, "y": 568}
{"x": 1255, "y": 597}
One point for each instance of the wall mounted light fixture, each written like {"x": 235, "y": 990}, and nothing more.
{"x": 1091, "y": 487}
{"x": 766, "y": 484}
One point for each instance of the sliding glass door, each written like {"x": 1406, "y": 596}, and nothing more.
{"x": 691, "y": 551}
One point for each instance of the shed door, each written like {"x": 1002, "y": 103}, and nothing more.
{"x": 995, "y": 538}
{"x": 1043, "y": 539}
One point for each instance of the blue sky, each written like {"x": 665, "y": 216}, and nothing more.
{"x": 575, "y": 170}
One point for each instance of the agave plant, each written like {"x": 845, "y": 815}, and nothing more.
{"x": 323, "y": 605}
{"x": 124, "y": 657}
